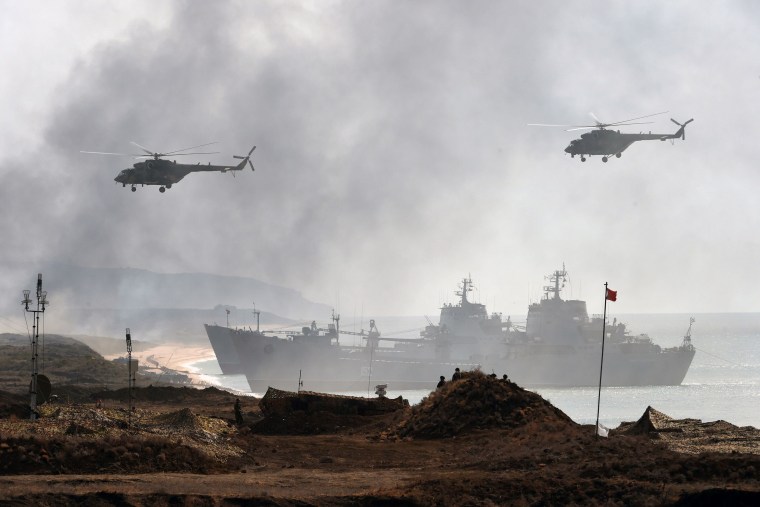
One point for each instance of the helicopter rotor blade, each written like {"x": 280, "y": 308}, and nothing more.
{"x": 143, "y": 148}
{"x": 597, "y": 120}
{"x": 192, "y": 153}
{"x": 582, "y": 128}
{"x": 633, "y": 119}
{"x": 109, "y": 153}
{"x": 632, "y": 123}
{"x": 554, "y": 125}
{"x": 176, "y": 154}
{"x": 605, "y": 125}
{"x": 191, "y": 148}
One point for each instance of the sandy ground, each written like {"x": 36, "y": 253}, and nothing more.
{"x": 175, "y": 356}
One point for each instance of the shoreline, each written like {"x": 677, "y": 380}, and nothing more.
{"x": 176, "y": 357}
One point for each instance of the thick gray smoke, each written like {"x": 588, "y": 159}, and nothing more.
{"x": 393, "y": 153}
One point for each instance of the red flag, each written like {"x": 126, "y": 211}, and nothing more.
{"x": 611, "y": 295}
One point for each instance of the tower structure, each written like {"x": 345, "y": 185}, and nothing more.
{"x": 40, "y": 310}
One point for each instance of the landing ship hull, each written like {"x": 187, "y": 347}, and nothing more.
{"x": 580, "y": 367}
{"x": 224, "y": 348}
{"x": 270, "y": 361}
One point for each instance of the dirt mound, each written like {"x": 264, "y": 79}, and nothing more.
{"x": 693, "y": 436}
{"x": 309, "y": 413}
{"x": 651, "y": 421}
{"x": 184, "y": 419}
{"x": 479, "y": 401}
{"x": 277, "y": 403}
{"x": 161, "y": 393}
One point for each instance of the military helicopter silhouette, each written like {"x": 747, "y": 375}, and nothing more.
{"x": 610, "y": 142}
{"x": 165, "y": 172}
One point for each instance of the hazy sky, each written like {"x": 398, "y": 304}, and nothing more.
{"x": 394, "y": 155}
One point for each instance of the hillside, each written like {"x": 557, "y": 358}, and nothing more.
{"x": 76, "y": 287}
{"x": 75, "y": 370}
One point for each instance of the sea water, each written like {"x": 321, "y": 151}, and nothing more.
{"x": 723, "y": 381}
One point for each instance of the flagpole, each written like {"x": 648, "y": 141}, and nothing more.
{"x": 601, "y": 365}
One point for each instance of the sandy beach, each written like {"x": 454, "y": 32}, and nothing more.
{"x": 174, "y": 356}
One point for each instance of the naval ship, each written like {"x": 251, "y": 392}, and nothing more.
{"x": 559, "y": 346}
{"x": 315, "y": 359}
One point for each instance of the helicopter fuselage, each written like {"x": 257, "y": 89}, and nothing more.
{"x": 164, "y": 172}
{"x": 612, "y": 142}
{"x": 609, "y": 142}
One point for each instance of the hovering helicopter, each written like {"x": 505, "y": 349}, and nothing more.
{"x": 166, "y": 173}
{"x": 610, "y": 142}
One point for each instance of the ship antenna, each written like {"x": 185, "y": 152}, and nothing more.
{"x": 131, "y": 378}
{"x": 687, "y": 336}
{"x": 466, "y": 287}
{"x": 336, "y": 319}
{"x": 257, "y": 314}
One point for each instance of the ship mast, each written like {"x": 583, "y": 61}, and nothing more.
{"x": 555, "y": 278}
{"x": 336, "y": 320}
{"x": 466, "y": 287}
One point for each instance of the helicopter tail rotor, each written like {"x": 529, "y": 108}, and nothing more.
{"x": 682, "y": 131}
{"x": 245, "y": 159}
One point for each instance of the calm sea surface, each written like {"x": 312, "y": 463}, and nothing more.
{"x": 722, "y": 383}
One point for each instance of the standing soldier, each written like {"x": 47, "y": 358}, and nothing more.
{"x": 441, "y": 382}
{"x": 238, "y": 413}
{"x": 457, "y": 375}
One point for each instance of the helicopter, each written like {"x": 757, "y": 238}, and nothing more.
{"x": 158, "y": 171}
{"x": 602, "y": 141}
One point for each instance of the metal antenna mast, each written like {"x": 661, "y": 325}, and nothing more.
{"x": 131, "y": 379}
{"x": 41, "y": 302}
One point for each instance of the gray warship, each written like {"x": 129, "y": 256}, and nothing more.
{"x": 316, "y": 360}
{"x": 559, "y": 346}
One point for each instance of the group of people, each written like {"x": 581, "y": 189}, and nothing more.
{"x": 458, "y": 375}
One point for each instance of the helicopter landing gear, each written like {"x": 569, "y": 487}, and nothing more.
{"x": 618, "y": 155}
{"x": 168, "y": 186}
{"x": 604, "y": 159}
{"x": 134, "y": 189}
{"x": 583, "y": 159}
{"x": 162, "y": 190}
